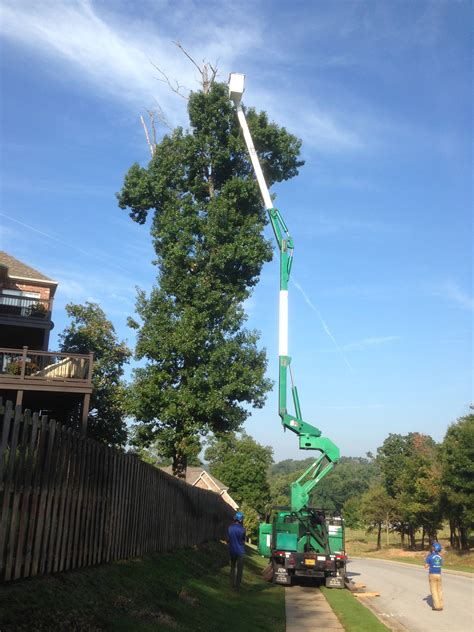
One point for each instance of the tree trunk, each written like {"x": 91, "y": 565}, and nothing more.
{"x": 432, "y": 536}
{"x": 180, "y": 463}
{"x": 423, "y": 538}
{"x": 452, "y": 533}
{"x": 379, "y": 537}
{"x": 456, "y": 532}
{"x": 411, "y": 533}
{"x": 464, "y": 538}
{"x": 402, "y": 535}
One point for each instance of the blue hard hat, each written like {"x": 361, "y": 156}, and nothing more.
{"x": 239, "y": 516}
{"x": 437, "y": 546}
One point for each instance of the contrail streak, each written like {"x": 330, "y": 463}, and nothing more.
{"x": 323, "y": 323}
{"x": 106, "y": 259}
{"x": 47, "y": 235}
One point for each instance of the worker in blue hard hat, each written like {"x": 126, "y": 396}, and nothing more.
{"x": 433, "y": 562}
{"x": 236, "y": 538}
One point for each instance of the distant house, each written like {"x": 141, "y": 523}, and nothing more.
{"x": 30, "y": 374}
{"x": 198, "y": 477}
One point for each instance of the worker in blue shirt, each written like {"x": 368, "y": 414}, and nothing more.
{"x": 434, "y": 562}
{"x": 236, "y": 550}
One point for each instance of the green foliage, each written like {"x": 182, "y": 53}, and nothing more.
{"x": 351, "y": 511}
{"x": 458, "y": 477}
{"x": 351, "y": 477}
{"x": 289, "y": 466}
{"x": 201, "y": 363}
{"x": 377, "y": 508}
{"x": 251, "y": 521}
{"x": 242, "y": 464}
{"x": 155, "y": 453}
{"x": 392, "y": 456}
{"x": 280, "y": 487}
{"x": 91, "y": 332}
{"x": 411, "y": 485}
{"x": 411, "y": 473}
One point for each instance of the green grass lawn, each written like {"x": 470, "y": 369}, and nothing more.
{"x": 353, "y": 615}
{"x": 188, "y": 591}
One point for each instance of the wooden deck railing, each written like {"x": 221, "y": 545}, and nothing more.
{"x": 28, "y": 366}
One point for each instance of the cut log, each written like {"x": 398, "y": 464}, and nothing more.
{"x": 267, "y": 573}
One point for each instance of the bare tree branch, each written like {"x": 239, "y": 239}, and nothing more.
{"x": 208, "y": 74}
{"x": 206, "y": 82}
{"x": 151, "y": 114}
{"x": 159, "y": 115}
{"x": 174, "y": 88}
{"x": 152, "y": 147}
{"x": 183, "y": 50}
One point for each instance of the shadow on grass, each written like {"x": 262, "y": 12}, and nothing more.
{"x": 187, "y": 590}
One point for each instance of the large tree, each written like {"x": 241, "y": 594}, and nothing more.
{"x": 242, "y": 464}
{"x": 378, "y": 509}
{"x": 458, "y": 479}
{"x": 200, "y": 363}
{"x": 411, "y": 472}
{"x": 91, "y": 331}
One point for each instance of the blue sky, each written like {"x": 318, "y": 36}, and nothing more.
{"x": 380, "y": 93}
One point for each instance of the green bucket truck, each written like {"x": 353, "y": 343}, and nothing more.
{"x": 300, "y": 540}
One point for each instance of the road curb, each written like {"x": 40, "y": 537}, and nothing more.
{"x": 395, "y": 626}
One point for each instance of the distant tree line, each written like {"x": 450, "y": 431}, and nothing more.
{"x": 420, "y": 485}
{"x": 411, "y": 486}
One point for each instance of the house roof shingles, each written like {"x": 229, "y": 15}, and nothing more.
{"x": 193, "y": 473}
{"x": 18, "y": 270}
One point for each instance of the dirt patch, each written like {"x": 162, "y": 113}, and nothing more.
{"x": 186, "y": 598}
{"x": 156, "y": 616}
{"x": 398, "y": 553}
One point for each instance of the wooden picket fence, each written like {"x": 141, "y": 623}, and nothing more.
{"x": 67, "y": 501}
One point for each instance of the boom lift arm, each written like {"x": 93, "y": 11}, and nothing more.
{"x": 309, "y": 436}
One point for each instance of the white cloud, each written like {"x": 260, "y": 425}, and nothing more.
{"x": 302, "y": 116}
{"x": 365, "y": 343}
{"x": 114, "y": 293}
{"x": 450, "y": 290}
{"x": 112, "y": 51}
{"x": 353, "y": 406}
{"x": 331, "y": 225}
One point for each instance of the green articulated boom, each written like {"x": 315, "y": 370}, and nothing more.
{"x": 299, "y": 539}
{"x": 309, "y": 436}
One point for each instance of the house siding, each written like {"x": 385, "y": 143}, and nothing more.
{"x": 10, "y": 284}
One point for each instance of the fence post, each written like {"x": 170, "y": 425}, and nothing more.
{"x": 85, "y": 412}
{"x": 23, "y": 363}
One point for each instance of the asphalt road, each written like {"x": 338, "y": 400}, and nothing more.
{"x": 405, "y": 600}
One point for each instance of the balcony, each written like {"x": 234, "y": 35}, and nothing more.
{"x": 28, "y": 369}
{"x": 25, "y": 307}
